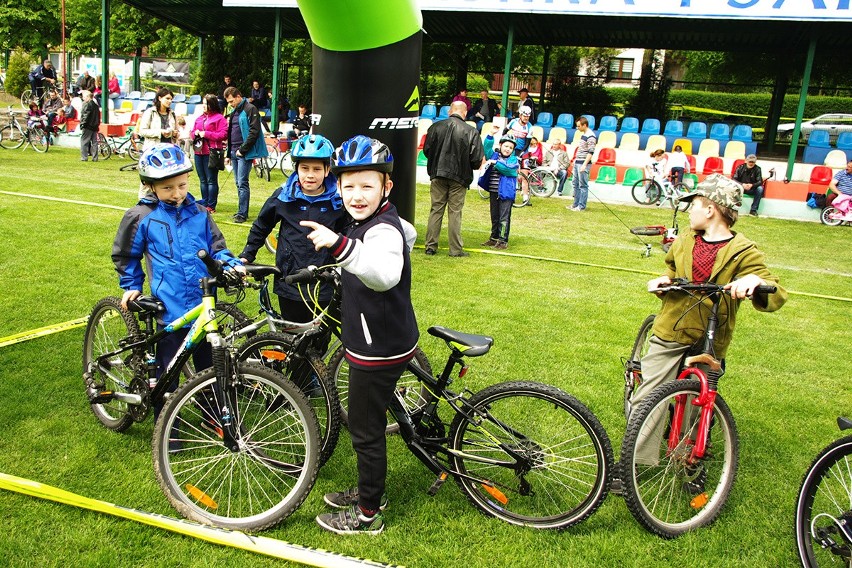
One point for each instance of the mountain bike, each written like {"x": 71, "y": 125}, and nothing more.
{"x": 824, "y": 506}
{"x": 659, "y": 189}
{"x": 14, "y": 135}
{"x": 128, "y": 145}
{"x": 541, "y": 182}
{"x": 524, "y": 452}
{"x": 28, "y": 95}
{"x": 678, "y": 462}
{"x": 237, "y": 444}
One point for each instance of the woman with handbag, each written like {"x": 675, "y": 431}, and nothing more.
{"x": 209, "y": 132}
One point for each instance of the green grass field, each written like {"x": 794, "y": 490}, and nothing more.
{"x": 563, "y": 307}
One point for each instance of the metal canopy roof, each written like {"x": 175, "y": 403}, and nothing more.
{"x": 209, "y": 17}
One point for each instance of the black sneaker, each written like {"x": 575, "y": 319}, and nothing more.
{"x": 352, "y": 521}
{"x": 239, "y": 219}
{"x": 348, "y": 498}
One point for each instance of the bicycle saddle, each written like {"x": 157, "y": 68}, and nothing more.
{"x": 468, "y": 344}
{"x": 146, "y": 304}
{"x": 261, "y": 270}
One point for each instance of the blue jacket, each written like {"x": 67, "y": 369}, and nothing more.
{"x": 506, "y": 167}
{"x": 168, "y": 238}
{"x": 248, "y": 119}
{"x": 288, "y": 205}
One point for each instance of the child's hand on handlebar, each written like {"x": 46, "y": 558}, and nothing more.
{"x": 657, "y": 283}
{"x": 320, "y": 235}
{"x": 744, "y": 287}
{"x": 129, "y": 296}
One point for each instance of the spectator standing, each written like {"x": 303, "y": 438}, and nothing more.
{"x": 750, "y": 177}
{"x": 90, "y": 122}
{"x": 526, "y": 101}
{"x": 484, "y": 110}
{"x": 158, "y": 123}
{"x": 677, "y": 164}
{"x": 113, "y": 87}
{"x": 42, "y": 76}
{"x": 85, "y": 82}
{"x": 520, "y": 128}
{"x": 259, "y": 97}
{"x": 462, "y": 96}
{"x": 583, "y": 164}
{"x": 245, "y": 143}
{"x": 209, "y": 132}
{"x": 226, "y": 82}
{"x": 500, "y": 180}
{"x": 840, "y": 183}
{"x": 453, "y": 150}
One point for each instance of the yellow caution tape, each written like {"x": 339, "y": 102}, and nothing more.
{"x": 42, "y": 331}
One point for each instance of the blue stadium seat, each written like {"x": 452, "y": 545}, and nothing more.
{"x": 591, "y": 120}
{"x": 650, "y": 127}
{"x": 149, "y": 96}
{"x": 742, "y": 132}
{"x": 443, "y": 113}
{"x": 193, "y": 100}
{"x": 844, "y": 142}
{"x": 179, "y": 98}
{"x": 134, "y": 95}
{"x": 674, "y": 128}
{"x": 545, "y": 120}
{"x": 629, "y": 124}
{"x": 429, "y": 111}
{"x": 720, "y": 131}
{"x": 819, "y": 139}
{"x": 608, "y": 123}
{"x": 565, "y": 120}
{"x": 697, "y": 130}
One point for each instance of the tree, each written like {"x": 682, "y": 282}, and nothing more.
{"x": 16, "y": 75}
{"x": 652, "y": 96}
{"x": 30, "y": 24}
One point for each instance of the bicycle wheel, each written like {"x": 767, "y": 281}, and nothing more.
{"x": 523, "y": 180}
{"x": 268, "y": 472}
{"x": 680, "y": 190}
{"x": 632, "y": 366}
{"x": 410, "y": 392}
{"x": 109, "y": 326}
{"x": 26, "y": 97}
{"x": 484, "y": 194}
{"x": 532, "y": 455}
{"x": 231, "y": 319}
{"x": 285, "y": 162}
{"x": 38, "y": 139}
{"x": 542, "y": 182}
{"x": 647, "y": 192}
{"x": 271, "y": 243}
{"x": 134, "y": 148}
{"x": 824, "y": 499}
{"x": 273, "y": 350}
{"x": 104, "y": 147}
{"x": 274, "y": 156}
{"x": 665, "y": 493}
{"x": 830, "y": 215}
{"x": 11, "y": 137}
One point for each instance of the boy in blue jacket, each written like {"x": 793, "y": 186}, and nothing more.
{"x": 500, "y": 180}
{"x": 167, "y": 228}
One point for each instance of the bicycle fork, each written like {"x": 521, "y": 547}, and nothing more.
{"x": 706, "y": 399}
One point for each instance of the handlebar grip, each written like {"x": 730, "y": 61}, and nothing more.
{"x": 214, "y": 267}
{"x": 766, "y": 289}
{"x": 303, "y": 275}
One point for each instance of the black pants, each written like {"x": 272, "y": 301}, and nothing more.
{"x": 370, "y": 393}
{"x": 501, "y": 217}
{"x": 168, "y": 347}
{"x": 757, "y": 192}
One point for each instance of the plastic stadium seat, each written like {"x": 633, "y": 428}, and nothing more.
{"x": 821, "y": 175}
{"x": 557, "y": 133}
{"x": 194, "y": 100}
{"x": 149, "y": 96}
{"x": 126, "y": 106}
{"x": 737, "y": 163}
{"x": 537, "y": 132}
{"x": 713, "y": 165}
{"x": 696, "y": 130}
{"x": 673, "y": 128}
{"x": 691, "y": 180}
{"x": 544, "y": 119}
{"x": 180, "y": 108}
{"x": 591, "y": 120}
{"x": 565, "y": 120}
{"x": 607, "y": 175}
{"x": 606, "y": 157}
{"x": 629, "y": 124}
{"x": 709, "y": 147}
{"x": 691, "y": 159}
{"x": 735, "y": 149}
{"x": 576, "y": 138}
{"x": 720, "y": 131}
{"x": 650, "y": 126}
{"x": 606, "y": 139}
{"x": 632, "y": 175}
{"x": 134, "y": 95}
{"x": 443, "y": 113}
{"x": 421, "y": 158}
{"x": 742, "y": 132}
{"x": 424, "y": 123}
{"x": 819, "y": 139}
{"x": 428, "y": 111}
{"x": 179, "y": 98}
{"x": 685, "y": 145}
{"x": 608, "y": 123}
{"x": 629, "y": 141}
{"x": 844, "y": 141}
{"x": 836, "y": 159}
{"x": 655, "y": 141}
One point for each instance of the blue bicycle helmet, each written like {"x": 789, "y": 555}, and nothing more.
{"x": 508, "y": 137}
{"x": 362, "y": 153}
{"x": 163, "y": 161}
{"x": 312, "y": 147}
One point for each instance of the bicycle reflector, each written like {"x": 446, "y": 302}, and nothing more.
{"x": 201, "y": 496}
{"x": 496, "y": 493}
{"x": 273, "y": 355}
{"x": 699, "y": 501}
{"x": 463, "y": 371}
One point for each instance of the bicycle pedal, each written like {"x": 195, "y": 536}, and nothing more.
{"x": 437, "y": 484}
{"x": 102, "y": 397}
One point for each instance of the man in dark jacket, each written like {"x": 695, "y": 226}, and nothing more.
{"x": 90, "y": 122}
{"x": 484, "y": 110}
{"x": 750, "y": 177}
{"x": 453, "y": 150}
{"x": 245, "y": 143}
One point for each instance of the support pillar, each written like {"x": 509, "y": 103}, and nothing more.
{"x": 803, "y": 95}
{"x": 105, "y": 8}
{"x": 507, "y": 69}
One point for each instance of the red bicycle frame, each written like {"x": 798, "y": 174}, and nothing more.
{"x": 705, "y": 399}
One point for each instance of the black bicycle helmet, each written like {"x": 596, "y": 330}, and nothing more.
{"x": 362, "y": 153}
{"x": 163, "y": 161}
{"x": 312, "y": 147}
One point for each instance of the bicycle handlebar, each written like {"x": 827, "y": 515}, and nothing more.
{"x": 310, "y": 274}
{"x": 682, "y": 285}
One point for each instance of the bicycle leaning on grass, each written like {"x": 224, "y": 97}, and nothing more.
{"x": 14, "y": 135}
{"x": 679, "y": 456}
{"x": 524, "y": 452}
{"x": 237, "y": 444}
{"x": 658, "y": 190}
{"x": 824, "y": 506}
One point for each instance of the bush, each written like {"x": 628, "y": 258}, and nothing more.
{"x": 16, "y": 75}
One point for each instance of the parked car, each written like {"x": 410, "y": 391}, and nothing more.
{"x": 834, "y": 123}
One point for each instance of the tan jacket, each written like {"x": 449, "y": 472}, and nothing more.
{"x": 740, "y": 257}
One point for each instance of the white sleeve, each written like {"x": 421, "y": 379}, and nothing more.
{"x": 377, "y": 260}
{"x": 410, "y": 234}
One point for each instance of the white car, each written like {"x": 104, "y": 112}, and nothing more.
{"x": 834, "y": 123}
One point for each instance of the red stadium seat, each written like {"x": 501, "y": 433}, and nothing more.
{"x": 691, "y": 159}
{"x": 713, "y": 165}
{"x": 737, "y": 163}
{"x": 821, "y": 175}
{"x": 606, "y": 157}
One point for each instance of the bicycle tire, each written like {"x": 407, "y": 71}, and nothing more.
{"x": 410, "y": 392}
{"x": 646, "y": 192}
{"x": 566, "y": 464}
{"x": 268, "y": 473}
{"x": 659, "y": 495}
{"x": 134, "y": 149}
{"x": 273, "y": 350}
{"x": 825, "y": 493}
{"x": 679, "y": 190}
{"x": 826, "y": 216}
{"x": 542, "y": 182}
{"x": 519, "y": 191}
{"x": 271, "y": 243}
{"x": 108, "y": 325}
{"x": 648, "y": 231}
{"x": 484, "y": 194}
{"x": 26, "y": 97}
{"x": 38, "y": 139}
{"x": 285, "y": 162}
{"x": 632, "y": 366}
{"x": 273, "y": 156}
{"x": 104, "y": 147}
{"x": 12, "y": 137}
